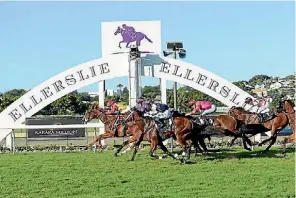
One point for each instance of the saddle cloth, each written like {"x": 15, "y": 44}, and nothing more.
{"x": 252, "y": 118}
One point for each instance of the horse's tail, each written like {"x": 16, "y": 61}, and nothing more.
{"x": 148, "y": 39}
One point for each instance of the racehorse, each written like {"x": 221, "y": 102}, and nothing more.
{"x": 127, "y": 38}
{"x": 139, "y": 128}
{"x": 288, "y": 107}
{"x": 239, "y": 117}
{"x": 144, "y": 128}
{"x": 114, "y": 124}
{"x": 190, "y": 133}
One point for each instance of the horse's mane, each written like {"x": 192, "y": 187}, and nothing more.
{"x": 290, "y": 102}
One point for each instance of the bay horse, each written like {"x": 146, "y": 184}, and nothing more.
{"x": 190, "y": 133}
{"x": 288, "y": 107}
{"x": 139, "y": 128}
{"x": 114, "y": 125}
{"x": 237, "y": 117}
{"x": 145, "y": 128}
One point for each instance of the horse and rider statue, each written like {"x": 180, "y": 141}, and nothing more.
{"x": 129, "y": 35}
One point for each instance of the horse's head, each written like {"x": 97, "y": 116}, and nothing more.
{"x": 234, "y": 111}
{"x": 287, "y": 106}
{"x": 95, "y": 112}
{"x": 118, "y": 31}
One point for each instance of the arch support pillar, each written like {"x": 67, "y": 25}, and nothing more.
{"x": 102, "y": 104}
{"x": 163, "y": 91}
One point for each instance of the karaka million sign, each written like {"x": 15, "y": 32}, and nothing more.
{"x": 63, "y": 132}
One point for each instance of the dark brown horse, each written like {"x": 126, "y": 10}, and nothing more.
{"x": 188, "y": 133}
{"x": 288, "y": 108}
{"x": 238, "y": 117}
{"x": 114, "y": 124}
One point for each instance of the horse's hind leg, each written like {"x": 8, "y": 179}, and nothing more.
{"x": 203, "y": 145}
{"x": 197, "y": 148}
{"x": 166, "y": 151}
{"x": 245, "y": 144}
{"x": 121, "y": 147}
{"x": 273, "y": 140}
{"x": 188, "y": 152}
{"x": 248, "y": 140}
{"x": 232, "y": 141}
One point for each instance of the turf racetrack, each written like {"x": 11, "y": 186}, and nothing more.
{"x": 232, "y": 174}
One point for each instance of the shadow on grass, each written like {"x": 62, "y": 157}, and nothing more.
{"x": 241, "y": 154}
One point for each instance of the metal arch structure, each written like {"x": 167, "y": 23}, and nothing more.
{"x": 106, "y": 68}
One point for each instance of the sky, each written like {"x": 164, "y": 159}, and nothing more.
{"x": 235, "y": 40}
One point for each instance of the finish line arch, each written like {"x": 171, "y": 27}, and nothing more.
{"x": 113, "y": 66}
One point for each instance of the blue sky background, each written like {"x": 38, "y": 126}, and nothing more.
{"x": 235, "y": 40}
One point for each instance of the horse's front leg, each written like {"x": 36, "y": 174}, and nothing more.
{"x": 120, "y": 44}
{"x": 139, "y": 140}
{"x": 245, "y": 144}
{"x": 153, "y": 147}
{"x": 108, "y": 134}
{"x": 127, "y": 44}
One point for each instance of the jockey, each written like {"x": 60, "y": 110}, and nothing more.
{"x": 143, "y": 106}
{"x": 261, "y": 107}
{"x": 159, "y": 110}
{"x": 265, "y": 105}
{"x": 114, "y": 107}
{"x": 254, "y": 104}
{"x": 206, "y": 107}
{"x": 129, "y": 29}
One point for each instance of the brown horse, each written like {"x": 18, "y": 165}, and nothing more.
{"x": 145, "y": 128}
{"x": 114, "y": 124}
{"x": 239, "y": 118}
{"x": 190, "y": 133}
{"x": 288, "y": 107}
{"x": 139, "y": 128}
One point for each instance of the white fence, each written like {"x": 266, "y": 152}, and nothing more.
{"x": 10, "y": 139}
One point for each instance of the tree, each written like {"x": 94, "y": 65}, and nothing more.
{"x": 125, "y": 95}
{"x": 290, "y": 77}
{"x": 69, "y": 104}
{"x": 258, "y": 79}
{"x": 150, "y": 92}
{"x": 9, "y": 97}
{"x": 120, "y": 86}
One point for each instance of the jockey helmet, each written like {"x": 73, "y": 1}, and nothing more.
{"x": 110, "y": 103}
{"x": 140, "y": 100}
{"x": 191, "y": 102}
{"x": 248, "y": 100}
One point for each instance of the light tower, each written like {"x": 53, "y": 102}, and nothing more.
{"x": 174, "y": 48}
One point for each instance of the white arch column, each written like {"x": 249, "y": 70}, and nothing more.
{"x": 101, "y": 103}
{"x": 163, "y": 90}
